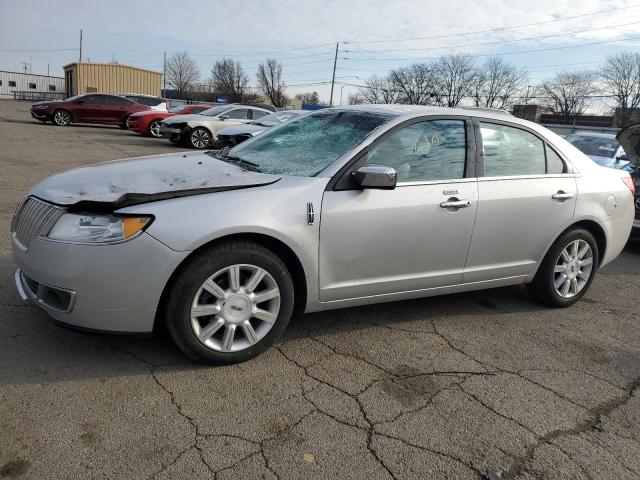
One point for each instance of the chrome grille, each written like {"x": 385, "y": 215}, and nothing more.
{"x": 33, "y": 217}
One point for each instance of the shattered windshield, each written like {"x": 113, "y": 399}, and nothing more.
{"x": 308, "y": 145}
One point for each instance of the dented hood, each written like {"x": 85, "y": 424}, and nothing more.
{"x": 629, "y": 138}
{"x": 121, "y": 183}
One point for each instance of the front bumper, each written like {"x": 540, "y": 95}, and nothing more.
{"x": 40, "y": 115}
{"x": 99, "y": 287}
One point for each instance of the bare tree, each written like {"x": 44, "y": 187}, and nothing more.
{"x": 413, "y": 84}
{"x": 621, "y": 78}
{"x": 496, "y": 83}
{"x": 310, "y": 98}
{"x": 454, "y": 78}
{"x": 270, "y": 82}
{"x": 228, "y": 78}
{"x": 355, "y": 99}
{"x": 569, "y": 93}
{"x": 182, "y": 73}
{"x": 378, "y": 90}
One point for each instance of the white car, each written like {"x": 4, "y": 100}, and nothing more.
{"x": 199, "y": 131}
{"x": 156, "y": 104}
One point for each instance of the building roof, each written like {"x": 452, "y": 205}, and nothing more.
{"x": 31, "y": 74}
{"x": 121, "y": 65}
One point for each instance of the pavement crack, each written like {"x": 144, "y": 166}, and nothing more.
{"x": 591, "y": 425}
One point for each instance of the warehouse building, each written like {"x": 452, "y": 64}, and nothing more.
{"x": 110, "y": 78}
{"x": 26, "y": 86}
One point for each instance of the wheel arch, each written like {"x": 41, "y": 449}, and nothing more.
{"x": 589, "y": 225}
{"x": 278, "y": 247}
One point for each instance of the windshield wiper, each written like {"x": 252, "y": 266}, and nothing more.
{"x": 241, "y": 162}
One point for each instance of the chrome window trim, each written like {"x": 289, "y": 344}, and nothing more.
{"x": 529, "y": 177}
{"x": 437, "y": 182}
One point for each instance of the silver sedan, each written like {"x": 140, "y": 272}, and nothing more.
{"x": 341, "y": 207}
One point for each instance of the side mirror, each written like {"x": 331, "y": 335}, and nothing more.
{"x": 376, "y": 177}
{"x": 223, "y": 117}
{"x": 622, "y": 158}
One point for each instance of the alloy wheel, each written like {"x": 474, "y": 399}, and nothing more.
{"x": 573, "y": 269}
{"x": 61, "y": 118}
{"x": 200, "y": 138}
{"x": 235, "y": 308}
{"x": 155, "y": 129}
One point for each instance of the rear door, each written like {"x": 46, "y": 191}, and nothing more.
{"x": 116, "y": 109}
{"x": 525, "y": 198}
{"x": 415, "y": 237}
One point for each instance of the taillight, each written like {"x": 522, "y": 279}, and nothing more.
{"x": 629, "y": 183}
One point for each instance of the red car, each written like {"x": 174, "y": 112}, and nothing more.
{"x": 148, "y": 123}
{"x": 89, "y": 108}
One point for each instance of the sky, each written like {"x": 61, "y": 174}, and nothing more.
{"x": 374, "y": 36}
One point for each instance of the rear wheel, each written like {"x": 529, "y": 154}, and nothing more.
{"x": 199, "y": 138}
{"x": 230, "y": 303}
{"x": 123, "y": 125}
{"x": 154, "y": 129}
{"x": 568, "y": 269}
{"x": 62, "y": 118}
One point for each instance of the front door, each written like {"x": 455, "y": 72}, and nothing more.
{"x": 378, "y": 242}
{"x": 526, "y": 196}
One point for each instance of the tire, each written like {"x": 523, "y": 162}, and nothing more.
{"x": 123, "y": 125}
{"x": 199, "y": 138}
{"x": 154, "y": 128}
{"x": 61, "y": 118}
{"x": 549, "y": 286}
{"x": 199, "y": 320}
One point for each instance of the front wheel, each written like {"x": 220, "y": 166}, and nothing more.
{"x": 62, "y": 118}
{"x": 568, "y": 269}
{"x": 199, "y": 138}
{"x": 154, "y": 129}
{"x": 230, "y": 303}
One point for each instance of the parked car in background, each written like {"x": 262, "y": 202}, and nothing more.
{"x": 148, "y": 122}
{"x": 341, "y": 207}
{"x": 602, "y": 148}
{"x": 200, "y": 131}
{"x": 232, "y": 136}
{"x": 630, "y": 138}
{"x": 157, "y": 104}
{"x": 97, "y": 108}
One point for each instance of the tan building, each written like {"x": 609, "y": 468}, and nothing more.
{"x": 110, "y": 78}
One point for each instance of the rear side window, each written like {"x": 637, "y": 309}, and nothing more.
{"x": 238, "y": 114}
{"x": 258, "y": 114}
{"x": 113, "y": 100}
{"x": 424, "y": 151}
{"x": 554, "y": 162}
{"x": 511, "y": 151}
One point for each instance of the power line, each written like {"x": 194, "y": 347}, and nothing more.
{"x": 497, "y": 54}
{"x": 539, "y": 37}
{"x": 431, "y": 37}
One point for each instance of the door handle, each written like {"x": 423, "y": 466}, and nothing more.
{"x": 454, "y": 203}
{"x": 560, "y": 195}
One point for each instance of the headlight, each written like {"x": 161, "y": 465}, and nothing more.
{"x": 109, "y": 228}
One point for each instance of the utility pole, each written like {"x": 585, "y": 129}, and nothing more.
{"x": 333, "y": 78}
{"x": 47, "y": 69}
{"x": 80, "y": 60}
{"x": 526, "y": 99}
{"x": 164, "y": 76}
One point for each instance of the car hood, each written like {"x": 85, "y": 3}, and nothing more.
{"x": 120, "y": 183}
{"x": 629, "y": 138}
{"x": 187, "y": 118}
{"x": 242, "y": 129}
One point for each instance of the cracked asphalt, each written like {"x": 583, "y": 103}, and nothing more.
{"x": 477, "y": 385}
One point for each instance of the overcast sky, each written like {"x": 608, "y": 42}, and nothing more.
{"x": 303, "y": 33}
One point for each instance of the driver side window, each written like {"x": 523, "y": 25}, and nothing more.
{"x": 424, "y": 151}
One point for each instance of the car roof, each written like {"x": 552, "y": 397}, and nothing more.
{"x": 421, "y": 110}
